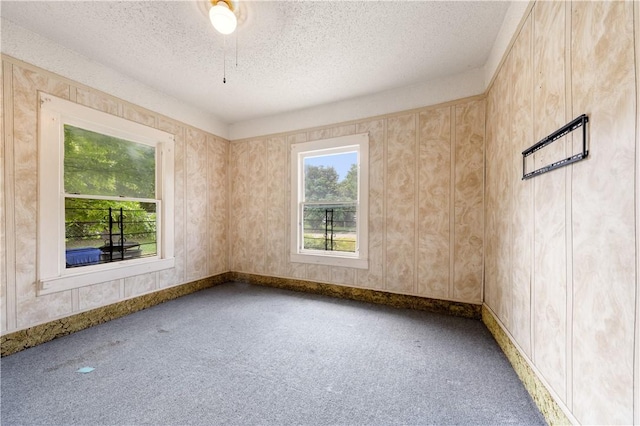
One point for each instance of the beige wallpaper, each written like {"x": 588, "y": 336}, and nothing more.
{"x": 435, "y": 201}
{"x": 200, "y": 198}
{"x": 425, "y": 212}
{"x": 550, "y": 221}
{"x": 3, "y": 215}
{"x": 561, "y": 248}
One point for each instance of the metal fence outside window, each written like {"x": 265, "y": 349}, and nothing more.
{"x": 330, "y": 227}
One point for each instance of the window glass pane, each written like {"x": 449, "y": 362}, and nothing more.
{"x": 331, "y": 177}
{"x": 329, "y": 227}
{"x": 96, "y": 164}
{"x": 102, "y": 231}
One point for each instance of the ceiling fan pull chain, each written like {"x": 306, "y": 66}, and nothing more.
{"x": 224, "y": 59}
{"x": 236, "y": 49}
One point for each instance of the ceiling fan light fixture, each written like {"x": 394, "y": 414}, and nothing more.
{"x": 222, "y": 18}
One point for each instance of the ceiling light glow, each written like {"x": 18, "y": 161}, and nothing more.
{"x": 222, "y": 18}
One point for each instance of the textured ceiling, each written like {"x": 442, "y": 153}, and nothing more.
{"x": 290, "y": 55}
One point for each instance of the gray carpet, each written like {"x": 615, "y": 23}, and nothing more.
{"x": 242, "y": 354}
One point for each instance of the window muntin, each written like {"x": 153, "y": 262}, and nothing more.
{"x": 329, "y": 201}
{"x": 77, "y": 171}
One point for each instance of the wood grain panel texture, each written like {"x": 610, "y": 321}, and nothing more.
{"x": 96, "y": 101}
{"x": 636, "y": 375}
{"x": 139, "y": 115}
{"x": 234, "y": 203}
{"x": 139, "y": 284}
{"x": 257, "y": 200}
{"x": 604, "y": 246}
{"x": 400, "y": 220}
{"x": 6, "y": 140}
{"x": 218, "y": 157}
{"x": 491, "y": 287}
{"x": 522, "y": 219}
{"x": 346, "y": 130}
{"x": 276, "y": 245}
{"x": 196, "y": 200}
{"x": 3, "y": 240}
{"x": 502, "y": 201}
{"x": 434, "y": 200}
{"x": 3, "y": 255}
{"x": 468, "y": 201}
{"x": 97, "y": 295}
{"x": 238, "y": 210}
{"x": 550, "y": 310}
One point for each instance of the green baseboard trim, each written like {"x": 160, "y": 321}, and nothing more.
{"x": 33, "y": 336}
{"x": 549, "y": 408}
{"x": 466, "y": 310}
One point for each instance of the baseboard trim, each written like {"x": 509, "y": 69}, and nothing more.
{"x": 36, "y": 335}
{"x": 459, "y": 309}
{"x": 552, "y": 412}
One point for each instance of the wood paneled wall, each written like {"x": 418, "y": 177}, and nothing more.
{"x": 201, "y": 200}
{"x": 425, "y": 204}
{"x": 561, "y": 248}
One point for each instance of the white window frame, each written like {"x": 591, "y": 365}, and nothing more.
{"x": 53, "y": 275}
{"x": 300, "y": 151}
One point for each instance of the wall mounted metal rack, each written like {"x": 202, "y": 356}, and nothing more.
{"x": 563, "y": 131}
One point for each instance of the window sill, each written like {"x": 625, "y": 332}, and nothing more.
{"x": 112, "y": 271}
{"x": 317, "y": 259}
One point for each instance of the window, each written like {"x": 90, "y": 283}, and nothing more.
{"x": 105, "y": 197}
{"x": 329, "y": 201}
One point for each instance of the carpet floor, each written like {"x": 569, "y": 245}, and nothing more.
{"x": 243, "y": 354}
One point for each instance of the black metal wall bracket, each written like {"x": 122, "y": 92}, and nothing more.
{"x": 564, "y": 130}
